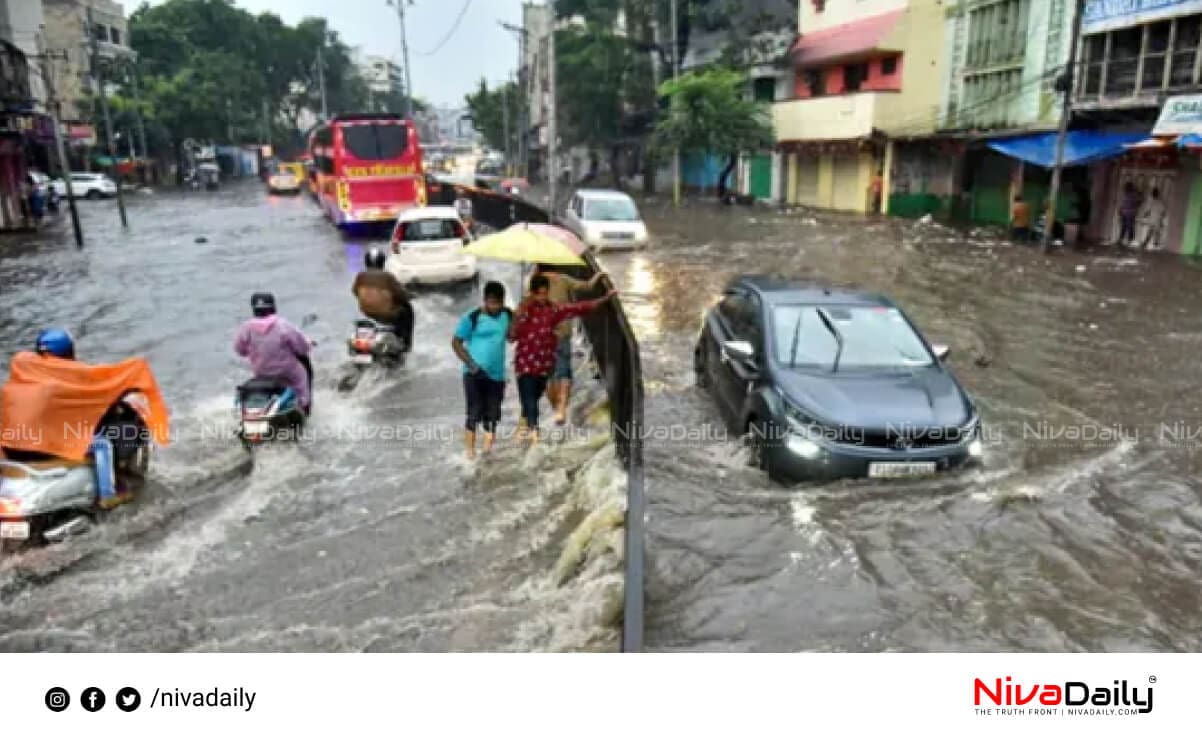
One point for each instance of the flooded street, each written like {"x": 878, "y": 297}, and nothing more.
{"x": 372, "y": 533}
{"x": 1081, "y": 532}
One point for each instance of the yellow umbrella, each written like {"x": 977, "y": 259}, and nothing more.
{"x": 526, "y": 243}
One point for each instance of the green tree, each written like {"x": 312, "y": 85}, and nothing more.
{"x": 488, "y": 111}
{"x": 711, "y": 112}
{"x": 208, "y": 70}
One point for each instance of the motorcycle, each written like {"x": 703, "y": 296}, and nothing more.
{"x": 46, "y": 499}
{"x": 268, "y": 409}
{"x": 375, "y": 343}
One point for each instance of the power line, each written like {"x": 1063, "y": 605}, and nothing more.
{"x": 454, "y": 27}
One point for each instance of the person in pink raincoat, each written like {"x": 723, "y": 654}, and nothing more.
{"x": 276, "y": 348}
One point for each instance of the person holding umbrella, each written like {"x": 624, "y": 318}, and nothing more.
{"x": 533, "y": 330}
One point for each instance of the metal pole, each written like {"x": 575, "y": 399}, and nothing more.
{"x": 321, "y": 82}
{"x": 1066, "y": 111}
{"x": 552, "y": 116}
{"x": 133, "y": 75}
{"x": 505, "y": 120}
{"x": 57, "y": 113}
{"x": 676, "y": 186}
{"x": 98, "y": 73}
{"x": 400, "y": 11}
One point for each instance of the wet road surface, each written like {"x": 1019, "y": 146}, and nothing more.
{"x": 373, "y": 533}
{"x": 1083, "y": 529}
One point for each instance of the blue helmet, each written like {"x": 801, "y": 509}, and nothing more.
{"x": 56, "y": 342}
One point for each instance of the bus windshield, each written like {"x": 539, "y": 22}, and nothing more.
{"x": 375, "y": 141}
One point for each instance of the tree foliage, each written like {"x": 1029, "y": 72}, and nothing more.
{"x": 711, "y": 112}
{"x": 488, "y": 111}
{"x": 211, "y": 71}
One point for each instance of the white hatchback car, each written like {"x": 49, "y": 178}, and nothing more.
{"x": 606, "y": 220}
{"x": 92, "y": 185}
{"x": 427, "y": 247}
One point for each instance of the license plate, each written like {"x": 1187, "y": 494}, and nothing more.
{"x": 18, "y": 530}
{"x": 256, "y": 428}
{"x": 363, "y": 359}
{"x": 900, "y": 469}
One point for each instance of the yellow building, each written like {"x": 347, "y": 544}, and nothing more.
{"x": 866, "y": 73}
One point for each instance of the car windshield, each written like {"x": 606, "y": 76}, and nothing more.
{"x": 873, "y": 337}
{"x": 425, "y": 230}
{"x": 610, "y": 210}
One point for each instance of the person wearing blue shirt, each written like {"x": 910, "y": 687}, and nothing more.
{"x": 479, "y": 343}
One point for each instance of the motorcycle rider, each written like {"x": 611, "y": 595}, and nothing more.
{"x": 382, "y": 297}
{"x": 276, "y": 348}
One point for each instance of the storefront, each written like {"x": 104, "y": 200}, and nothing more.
{"x": 1164, "y": 167}
{"x": 831, "y": 175}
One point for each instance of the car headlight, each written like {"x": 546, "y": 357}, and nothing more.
{"x": 803, "y": 447}
{"x": 976, "y": 448}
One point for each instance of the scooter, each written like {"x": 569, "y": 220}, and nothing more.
{"x": 46, "y": 499}
{"x": 269, "y": 410}
{"x": 375, "y": 343}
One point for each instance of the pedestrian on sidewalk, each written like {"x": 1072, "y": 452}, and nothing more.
{"x": 876, "y": 189}
{"x": 1020, "y": 220}
{"x": 479, "y": 342}
{"x": 1151, "y": 218}
{"x": 559, "y": 389}
{"x": 1128, "y": 211}
{"x": 534, "y": 358}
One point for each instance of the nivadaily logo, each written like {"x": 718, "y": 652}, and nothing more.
{"x": 1065, "y": 698}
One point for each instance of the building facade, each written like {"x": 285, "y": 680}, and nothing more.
{"x": 1141, "y": 71}
{"x": 67, "y": 33}
{"x": 861, "y": 79}
{"x": 383, "y": 76}
{"x": 1004, "y": 58}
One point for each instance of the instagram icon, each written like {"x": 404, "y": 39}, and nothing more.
{"x": 57, "y": 699}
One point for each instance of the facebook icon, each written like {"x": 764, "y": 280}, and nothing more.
{"x": 92, "y": 699}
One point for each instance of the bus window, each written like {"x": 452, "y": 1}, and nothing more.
{"x": 375, "y": 141}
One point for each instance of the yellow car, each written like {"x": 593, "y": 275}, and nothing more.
{"x": 297, "y": 169}
{"x": 283, "y": 181}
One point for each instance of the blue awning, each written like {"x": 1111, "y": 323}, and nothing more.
{"x": 1079, "y": 147}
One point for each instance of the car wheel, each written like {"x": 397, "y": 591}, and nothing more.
{"x": 699, "y": 377}
{"x": 92, "y": 195}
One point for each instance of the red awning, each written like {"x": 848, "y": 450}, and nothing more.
{"x": 846, "y": 40}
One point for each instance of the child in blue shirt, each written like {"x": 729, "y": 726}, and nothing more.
{"x": 479, "y": 343}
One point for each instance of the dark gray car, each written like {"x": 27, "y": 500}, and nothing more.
{"x": 832, "y": 383}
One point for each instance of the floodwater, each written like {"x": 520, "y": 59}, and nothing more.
{"x": 1081, "y": 532}
{"x": 373, "y": 533}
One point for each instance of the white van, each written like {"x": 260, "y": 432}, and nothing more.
{"x": 606, "y": 220}
{"x": 427, "y": 247}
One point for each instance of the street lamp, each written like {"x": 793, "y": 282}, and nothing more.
{"x": 400, "y": 12}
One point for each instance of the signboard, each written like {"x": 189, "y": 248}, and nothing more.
{"x": 1182, "y": 114}
{"x": 36, "y": 127}
{"x": 1103, "y": 15}
{"x": 82, "y": 134}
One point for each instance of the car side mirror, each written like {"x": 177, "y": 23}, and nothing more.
{"x": 741, "y": 351}
{"x": 941, "y": 351}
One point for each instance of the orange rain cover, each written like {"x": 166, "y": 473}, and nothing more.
{"x": 53, "y": 406}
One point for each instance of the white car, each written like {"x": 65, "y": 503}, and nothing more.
{"x": 90, "y": 185}
{"x": 427, "y": 247}
{"x": 606, "y": 220}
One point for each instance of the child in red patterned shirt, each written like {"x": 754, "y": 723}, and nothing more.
{"x": 534, "y": 330}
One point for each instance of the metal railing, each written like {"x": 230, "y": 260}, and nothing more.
{"x": 616, "y": 353}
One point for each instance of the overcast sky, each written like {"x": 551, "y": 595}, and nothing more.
{"x": 478, "y": 47}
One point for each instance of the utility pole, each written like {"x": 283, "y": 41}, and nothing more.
{"x": 524, "y": 87}
{"x": 133, "y": 76}
{"x": 56, "y": 113}
{"x": 1066, "y": 112}
{"x": 98, "y": 74}
{"x": 400, "y": 12}
{"x": 675, "y": 75}
{"x": 505, "y": 119}
{"x": 552, "y": 118}
{"x": 321, "y": 83}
